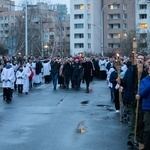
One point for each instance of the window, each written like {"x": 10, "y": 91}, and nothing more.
{"x": 89, "y": 36}
{"x": 89, "y": 26}
{"x": 114, "y": 16}
{"x": 124, "y": 16}
{"x": 143, "y": 16}
{"x": 51, "y": 29}
{"x": 143, "y": 35}
{"x": 89, "y": 45}
{"x": 115, "y": 35}
{"x": 88, "y": 6}
{"x": 78, "y": 16}
{"x": 67, "y": 28}
{"x": 142, "y": 6}
{"x": 114, "y": 26}
{"x": 114, "y": 6}
{"x": 78, "y": 45}
{"x": 124, "y": 7}
{"x": 144, "y": 25}
{"x": 89, "y": 16}
{"x": 113, "y": 45}
{"x": 79, "y": 26}
{"x": 80, "y": 6}
{"x": 51, "y": 37}
{"x": 78, "y": 36}
{"x": 125, "y": 26}
{"x": 67, "y": 35}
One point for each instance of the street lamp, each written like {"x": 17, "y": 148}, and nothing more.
{"x": 102, "y": 33}
{"x": 26, "y": 32}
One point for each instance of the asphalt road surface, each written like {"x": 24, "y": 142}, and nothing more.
{"x": 64, "y": 119}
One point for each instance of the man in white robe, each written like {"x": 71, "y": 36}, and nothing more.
{"x": 7, "y": 78}
{"x": 27, "y": 72}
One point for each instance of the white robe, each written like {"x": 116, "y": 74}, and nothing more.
{"x": 27, "y": 72}
{"x": 102, "y": 65}
{"x": 7, "y": 74}
{"x": 46, "y": 68}
{"x": 20, "y": 77}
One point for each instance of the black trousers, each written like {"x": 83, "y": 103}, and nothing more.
{"x": 20, "y": 88}
{"x": 7, "y": 94}
{"x": 147, "y": 130}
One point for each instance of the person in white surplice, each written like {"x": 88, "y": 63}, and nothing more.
{"x": 27, "y": 72}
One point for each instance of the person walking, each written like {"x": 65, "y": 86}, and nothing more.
{"x": 130, "y": 89}
{"x": 144, "y": 95}
{"x": 87, "y": 72}
{"x": 46, "y": 70}
{"x": 20, "y": 75}
{"x": 27, "y": 72}
{"x": 7, "y": 78}
{"x": 55, "y": 65}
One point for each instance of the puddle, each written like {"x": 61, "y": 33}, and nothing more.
{"x": 108, "y": 107}
{"x": 84, "y": 102}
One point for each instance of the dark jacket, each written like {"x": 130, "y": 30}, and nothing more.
{"x": 67, "y": 70}
{"x": 77, "y": 70}
{"x": 38, "y": 67}
{"x": 113, "y": 78}
{"x": 130, "y": 85}
{"x": 55, "y": 67}
{"x": 88, "y": 69}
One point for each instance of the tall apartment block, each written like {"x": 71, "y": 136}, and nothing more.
{"x": 49, "y": 28}
{"x": 98, "y": 26}
{"x": 118, "y": 21}
{"x": 85, "y": 27}
{"x": 143, "y": 24}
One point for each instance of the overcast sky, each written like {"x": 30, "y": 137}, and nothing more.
{"x": 67, "y": 2}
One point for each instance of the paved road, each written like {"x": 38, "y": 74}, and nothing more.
{"x": 62, "y": 120}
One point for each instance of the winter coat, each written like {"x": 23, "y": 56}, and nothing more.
{"x": 88, "y": 70}
{"x": 67, "y": 70}
{"x": 55, "y": 67}
{"x": 144, "y": 92}
{"x": 77, "y": 70}
{"x": 113, "y": 78}
{"x": 130, "y": 85}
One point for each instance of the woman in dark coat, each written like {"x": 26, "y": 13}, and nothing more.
{"x": 88, "y": 71}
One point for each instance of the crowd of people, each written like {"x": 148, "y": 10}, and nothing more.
{"x": 130, "y": 77}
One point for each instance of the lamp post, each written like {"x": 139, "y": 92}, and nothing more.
{"x": 102, "y": 32}
{"x": 26, "y": 32}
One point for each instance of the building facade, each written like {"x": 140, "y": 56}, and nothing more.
{"x": 44, "y": 28}
{"x": 143, "y": 24}
{"x": 85, "y": 29}
{"x": 118, "y": 22}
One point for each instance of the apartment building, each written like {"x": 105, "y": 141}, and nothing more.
{"x": 118, "y": 21}
{"x": 143, "y": 24}
{"x": 7, "y": 5}
{"x": 85, "y": 28}
{"x": 51, "y": 31}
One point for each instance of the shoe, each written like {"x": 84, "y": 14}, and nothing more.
{"x": 132, "y": 144}
{"x": 26, "y": 93}
{"x": 54, "y": 88}
{"x": 117, "y": 111}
